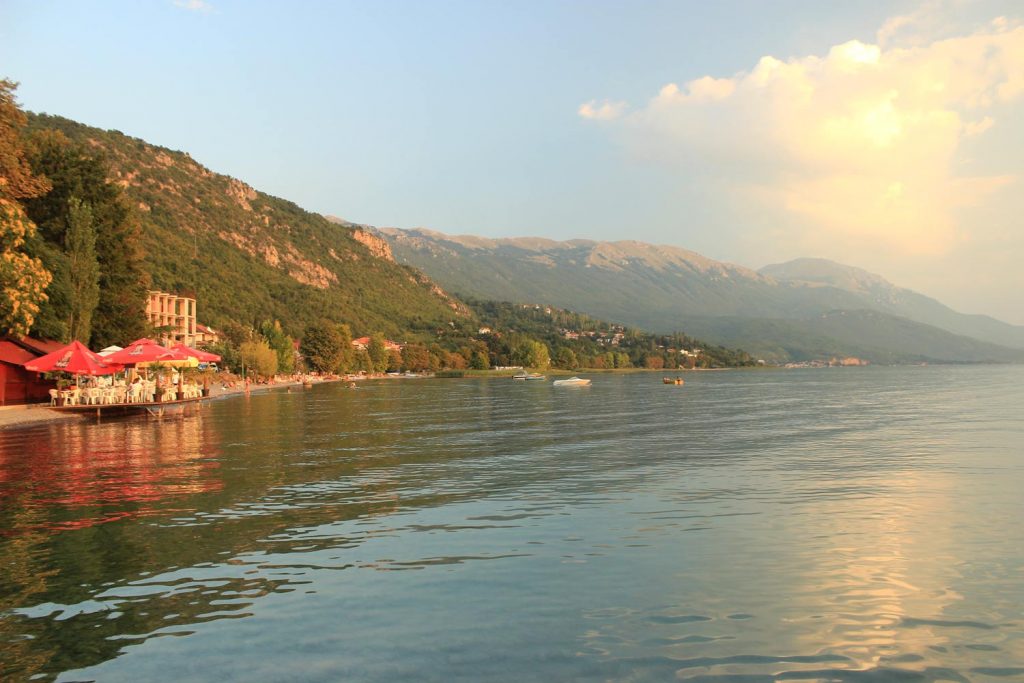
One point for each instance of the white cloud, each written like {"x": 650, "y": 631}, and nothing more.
{"x": 603, "y": 111}
{"x": 860, "y": 145}
{"x": 194, "y": 5}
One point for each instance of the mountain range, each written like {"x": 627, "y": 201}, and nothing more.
{"x": 800, "y": 310}
{"x": 248, "y": 256}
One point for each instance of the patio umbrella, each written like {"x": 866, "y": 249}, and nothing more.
{"x": 139, "y": 351}
{"x": 76, "y": 359}
{"x": 109, "y": 350}
{"x": 201, "y": 356}
{"x": 172, "y": 358}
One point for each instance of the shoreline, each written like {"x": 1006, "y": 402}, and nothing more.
{"x": 34, "y": 414}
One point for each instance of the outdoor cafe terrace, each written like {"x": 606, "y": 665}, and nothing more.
{"x": 142, "y": 373}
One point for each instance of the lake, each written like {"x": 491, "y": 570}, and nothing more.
{"x": 856, "y": 524}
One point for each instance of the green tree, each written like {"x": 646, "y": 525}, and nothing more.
{"x": 480, "y": 360}
{"x": 539, "y": 356}
{"x": 83, "y": 269}
{"x": 23, "y": 277}
{"x": 378, "y": 352}
{"x": 565, "y": 358}
{"x": 282, "y": 344}
{"x": 259, "y": 358}
{"x": 77, "y": 171}
{"x": 362, "y": 362}
{"x": 415, "y": 358}
{"x": 321, "y": 346}
{"x": 532, "y": 354}
{"x": 347, "y": 353}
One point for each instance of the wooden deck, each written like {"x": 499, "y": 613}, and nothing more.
{"x": 152, "y": 407}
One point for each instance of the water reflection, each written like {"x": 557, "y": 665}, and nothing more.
{"x": 764, "y": 525}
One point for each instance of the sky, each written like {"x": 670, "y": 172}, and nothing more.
{"x": 884, "y": 135}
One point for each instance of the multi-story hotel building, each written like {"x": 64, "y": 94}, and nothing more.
{"x": 174, "y": 316}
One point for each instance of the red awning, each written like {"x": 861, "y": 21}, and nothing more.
{"x": 74, "y": 358}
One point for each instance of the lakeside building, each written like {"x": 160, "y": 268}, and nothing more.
{"x": 18, "y": 385}
{"x": 174, "y": 315}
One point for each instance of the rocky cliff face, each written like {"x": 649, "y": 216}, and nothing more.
{"x": 251, "y": 256}
{"x": 377, "y": 246}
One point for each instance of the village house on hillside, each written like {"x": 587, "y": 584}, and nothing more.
{"x": 363, "y": 343}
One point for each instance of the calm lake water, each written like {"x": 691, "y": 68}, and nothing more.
{"x": 840, "y": 525}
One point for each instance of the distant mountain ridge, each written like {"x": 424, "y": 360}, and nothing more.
{"x": 664, "y": 288}
{"x": 885, "y": 296}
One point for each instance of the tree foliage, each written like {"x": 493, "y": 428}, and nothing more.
{"x": 282, "y": 344}
{"x": 83, "y": 269}
{"x": 80, "y": 173}
{"x": 259, "y": 358}
{"x": 321, "y": 346}
{"x": 23, "y": 277}
{"x": 378, "y": 353}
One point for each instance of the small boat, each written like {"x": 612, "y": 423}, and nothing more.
{"x": 672, "y": 380}
{"x": 529, "y": 376}
{"x": 571, "y": 382}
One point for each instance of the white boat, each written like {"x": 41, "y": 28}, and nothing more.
{"x": 571, "y": 382}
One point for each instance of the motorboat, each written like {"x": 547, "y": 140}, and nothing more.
{"x": 672, "y": 380}
{"x": 571, "y": 382}
{"x": 529, "y": 376}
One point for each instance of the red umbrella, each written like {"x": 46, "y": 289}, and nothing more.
{"x": 76, "y": 359}
{"x": 201, "y": 356}
{"x": 139, "y": 351}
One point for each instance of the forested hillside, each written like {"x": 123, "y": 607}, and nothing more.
{"x": 248, "y": 256}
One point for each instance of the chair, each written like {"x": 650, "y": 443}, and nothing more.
{"x": 54, "y": 394}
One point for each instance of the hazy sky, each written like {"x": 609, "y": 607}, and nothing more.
{"x": 884, "y": 135}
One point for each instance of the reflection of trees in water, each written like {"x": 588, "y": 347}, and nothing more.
{"x": 205, "y": 499}
{"x": 60, "y": 487}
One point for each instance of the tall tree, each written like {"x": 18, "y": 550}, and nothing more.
{"x": 78, "y": 171}
{"x": 83, "y": 269}
{"x": 347, "y": 355}
{"x": 259, "y": 358}
{"x": 23, "y": 278}
{"x": 378, "y": 352}
{"x": 281, "y": 343}
{"x": 321, "y": 346}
